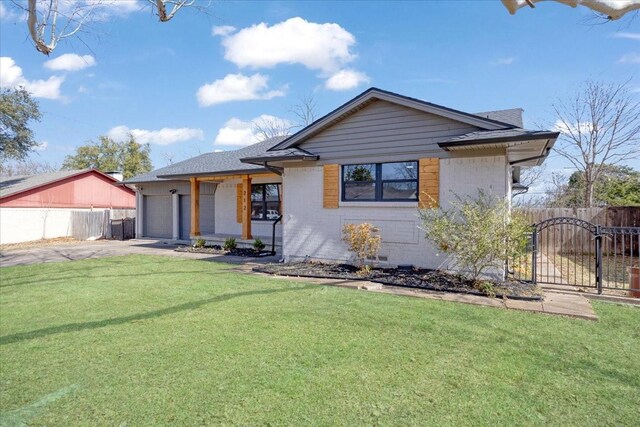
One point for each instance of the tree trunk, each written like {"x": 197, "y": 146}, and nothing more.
{"x": 588, "y": 186}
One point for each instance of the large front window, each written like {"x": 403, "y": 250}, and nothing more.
{"x": 380, "y": 181}
{"x": 265, "y": 201}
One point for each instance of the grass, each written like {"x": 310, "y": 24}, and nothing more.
{"x": 142, "y": 340}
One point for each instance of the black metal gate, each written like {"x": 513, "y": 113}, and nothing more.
{"x": 568, "y": 251}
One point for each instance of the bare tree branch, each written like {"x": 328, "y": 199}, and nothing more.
{"x": 50, "y": 21}
{"x": 304, "y": 110}
{"x": 270, "y": 127}
{"x": 600, "y": 125}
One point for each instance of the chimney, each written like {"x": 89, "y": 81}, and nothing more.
{"x": 115, "y": 174}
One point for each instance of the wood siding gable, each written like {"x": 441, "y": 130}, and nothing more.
{"x": 384, "y": 129}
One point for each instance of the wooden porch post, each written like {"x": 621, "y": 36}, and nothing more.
{"x": 195, "y": 207}
{"x": 246, "y": 207}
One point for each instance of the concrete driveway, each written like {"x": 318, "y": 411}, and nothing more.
{"x": 107, "y": 248}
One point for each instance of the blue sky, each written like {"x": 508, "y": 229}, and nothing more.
{"x": 204, "y": 89}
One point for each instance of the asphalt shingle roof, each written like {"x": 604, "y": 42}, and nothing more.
{"x": 512, "y": 116}
{"x": 293, "y": 152}
{"x": 16, "y": 184}
{"x": 209, "y": 163}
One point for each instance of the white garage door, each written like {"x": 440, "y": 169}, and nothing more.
{"x": 157, "y": 217}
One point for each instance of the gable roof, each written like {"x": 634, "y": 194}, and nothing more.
{"x": 224, "y": 162}
{"x": 11, "y": 185}
{"x": 373, "y": 94}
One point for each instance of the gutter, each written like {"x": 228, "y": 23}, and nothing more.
{"x": 523, "y": 138}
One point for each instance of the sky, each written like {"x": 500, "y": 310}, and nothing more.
{"x": 196, "y": 83}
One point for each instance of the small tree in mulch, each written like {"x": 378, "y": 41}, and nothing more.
{"x": 364, "y": 242}
{"x": 480, "y": 233}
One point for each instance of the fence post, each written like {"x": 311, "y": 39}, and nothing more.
{"x": 598, "y": 240}
{"x": 534, "y": 255}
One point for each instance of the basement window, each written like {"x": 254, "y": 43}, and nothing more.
{"x": 396, "y": 181}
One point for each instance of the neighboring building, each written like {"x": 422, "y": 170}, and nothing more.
{"x": 40, "y": 206}
{"x": 375, "y": 159}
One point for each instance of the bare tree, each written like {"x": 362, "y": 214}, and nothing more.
{"x": 304, "y": 110}
{"x": 26, "y": 167}
{"x": 267, "y": 127}
{"x": 601, "y": 124}
{"x": 529, "y": 177}
{"x": 50, "y": 21}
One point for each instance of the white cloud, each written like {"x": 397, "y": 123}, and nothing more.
{"x": 83, "y": 89}
{"x": 164, "y": 136}
{"x": 98, "y": 10}
{"x": 325, "y": 47}
{"x": 629, "y": 36}
{"x": 7, "y": 14}
{"x": 630, "y": 58}
{"x": 582, "y": 127}
{"x": 503, "y": 61}
{"x": 223, "y": 30}
{"x": 70, "y": 62}
{"x": 346, "y": 79}
{"x": 241, "y": 133}
{"x": 237, "y": 87}
{"x": 11, "y": 77}
{"x": 42, "y": 146}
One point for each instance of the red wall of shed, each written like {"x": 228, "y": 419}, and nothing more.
{"x": 81, "y": 191}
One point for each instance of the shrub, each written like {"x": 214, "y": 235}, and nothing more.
{"x": 258, "y": 245}
{"x": 230, "y": 244}
{"x": 363, "y": 240}
{"x": 199, "y": 243}
{"x": 480, "y": 233}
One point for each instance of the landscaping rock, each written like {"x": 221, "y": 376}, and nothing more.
{"x": 437, "y": 280}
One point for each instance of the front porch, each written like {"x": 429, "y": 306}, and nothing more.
{"x": 246, "y": 219}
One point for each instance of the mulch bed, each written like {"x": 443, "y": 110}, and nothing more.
{"x": 435, "y": 280}
{"x": 218, "y": 250}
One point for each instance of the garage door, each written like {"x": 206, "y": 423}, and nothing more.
{"x": 207, "y": 215}
{"x": 157, "y": 217}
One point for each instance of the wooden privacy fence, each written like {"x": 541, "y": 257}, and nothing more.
{"x": 96, "y": 224}
{"x": 575, "y": 240}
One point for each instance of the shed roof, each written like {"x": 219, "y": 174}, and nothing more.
{"x": 10, "y": 185}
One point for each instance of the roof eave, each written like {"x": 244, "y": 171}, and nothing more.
{"x": 218, "y": 173}
{"x": 480, "y": 142}
{"x": 261, "y": 160}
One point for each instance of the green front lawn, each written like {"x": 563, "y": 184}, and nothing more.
{"x": 142, "y": 340}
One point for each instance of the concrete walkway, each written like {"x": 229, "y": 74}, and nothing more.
{"x": 555, "y": 302}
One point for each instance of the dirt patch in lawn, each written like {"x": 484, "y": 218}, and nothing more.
{"x": 218, "y": 250}
{"x": 40, "y": 243}
{"x": 436, "y": 280}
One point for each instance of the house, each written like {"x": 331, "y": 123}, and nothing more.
{"x": 375, "y": 159}
{"x": 41, "y": 206}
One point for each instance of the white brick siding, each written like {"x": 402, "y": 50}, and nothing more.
{"x": 310, "y": 230}
{"x": 226, "y": 219}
